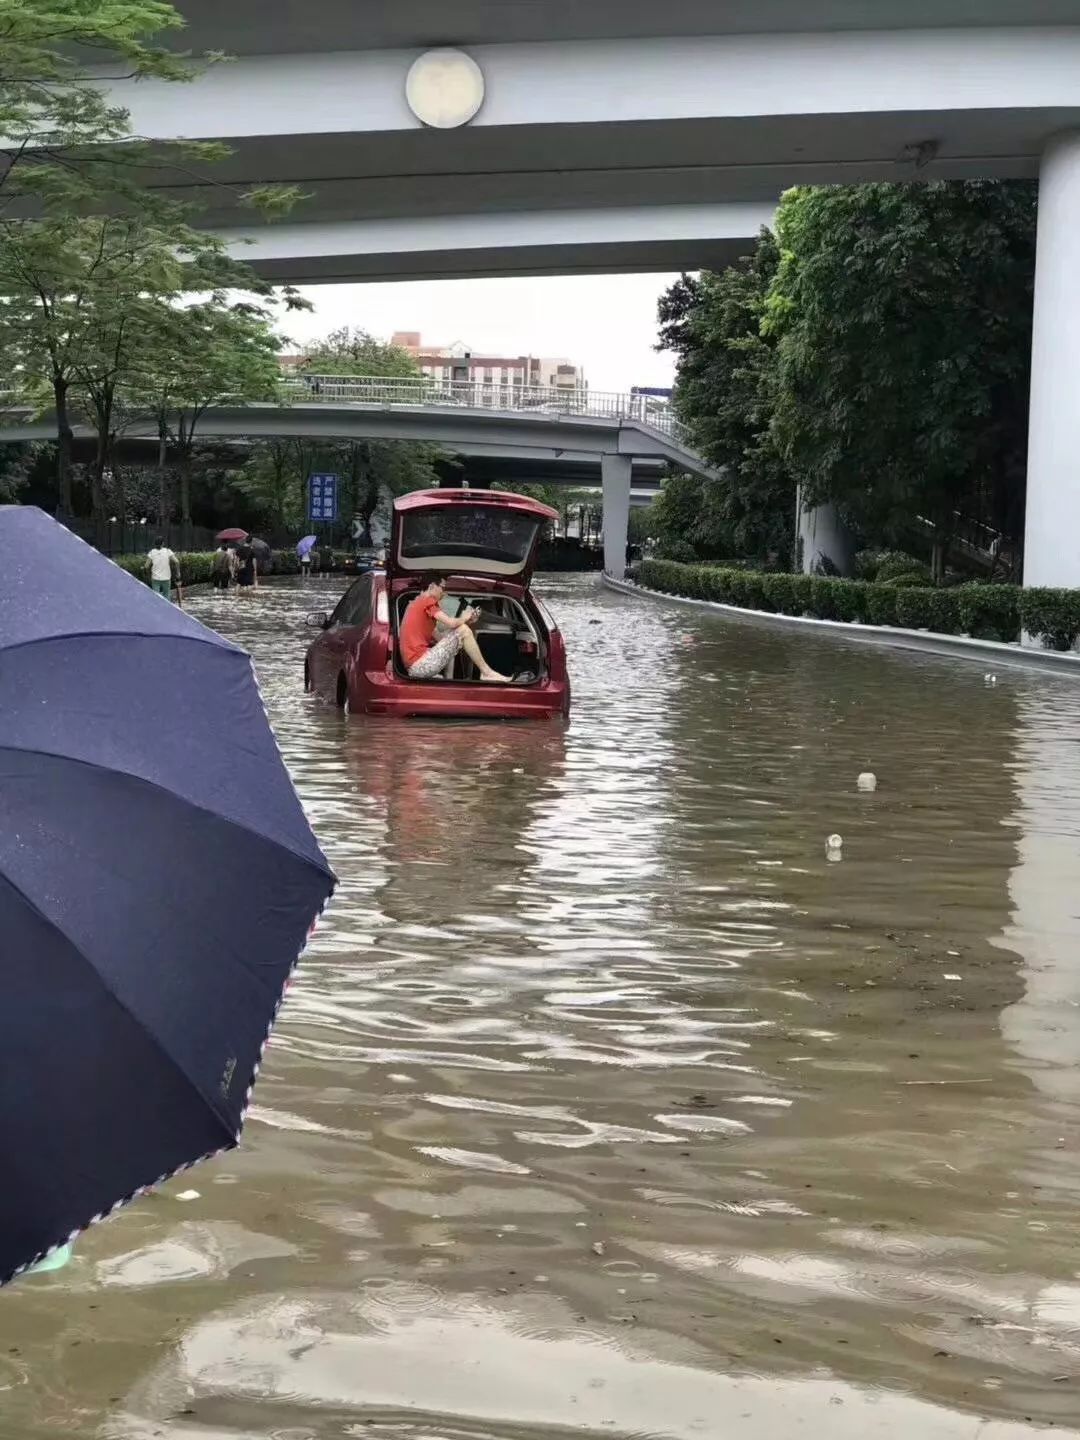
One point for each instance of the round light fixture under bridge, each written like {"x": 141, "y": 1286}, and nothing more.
{"x": 444, "y": 88}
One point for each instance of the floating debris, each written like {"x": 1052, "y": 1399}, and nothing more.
{"x": 834, "y": 847}
{"x": 867, "y": 781}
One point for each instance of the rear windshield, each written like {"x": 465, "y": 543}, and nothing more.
{"x": 480, "y": 531}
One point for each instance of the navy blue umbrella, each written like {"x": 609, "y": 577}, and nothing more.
{"x": 158, "y": 880}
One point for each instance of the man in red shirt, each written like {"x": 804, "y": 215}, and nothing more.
{"x": 423, "y": 656}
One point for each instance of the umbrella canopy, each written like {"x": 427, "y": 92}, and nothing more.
{"x": 306, "y": 545}
{"x": 260, "y": 547}
{"x": 158, "y": 880}
{"x": 234, "y": 534}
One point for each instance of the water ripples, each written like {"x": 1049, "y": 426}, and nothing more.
{"x": 603, "y": 1103}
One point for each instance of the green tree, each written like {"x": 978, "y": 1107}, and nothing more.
{"x": 725, "y": 383}
{"x": 372, "y": 471}
{"x": 93, "y": 309}
{"x": 352, "y": 351}
{"x": 52, "y": 120}
{"x": 214, "y": 351}
{"x": 267, "y": 479}
{"x": 59, "y": 129}
{"x": 84, "y": 280}
{"x": 902, "y": 318}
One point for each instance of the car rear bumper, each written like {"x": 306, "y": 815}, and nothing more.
{"x": 381, "y": 694}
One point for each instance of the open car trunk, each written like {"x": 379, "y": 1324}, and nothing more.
{"x": 490, "y": 533}
{"x": 507, "y": 634}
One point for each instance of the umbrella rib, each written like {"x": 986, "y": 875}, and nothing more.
{"x": 323, "y": 869}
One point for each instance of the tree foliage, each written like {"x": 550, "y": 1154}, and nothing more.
{"x": 100, "y": 322}
{"x": 371, "y": 472}
{"x": 724, "y": 393}
{"x": 100, "y": 273}
{"x": 352, "y": 351}
{"x": 61, "y": 134}
{"x": 874, "y": 352}
{"x": 902, "y": 319}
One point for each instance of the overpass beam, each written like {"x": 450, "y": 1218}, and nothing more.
{"x": 615, "y": 473}
{"x": 1052, "y": 523}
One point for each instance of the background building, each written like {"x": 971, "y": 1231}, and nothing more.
{"x": 459, "y": 364}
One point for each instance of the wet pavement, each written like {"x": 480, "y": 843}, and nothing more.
{"x": 606, "y": 1103}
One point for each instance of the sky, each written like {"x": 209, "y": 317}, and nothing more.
{"x": 604, "y": 323}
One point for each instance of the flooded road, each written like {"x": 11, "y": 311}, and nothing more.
{"x": 605, "y": 1104}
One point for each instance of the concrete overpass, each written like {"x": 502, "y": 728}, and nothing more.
{"x": 621, "y": 443}
{"x": 614, "y": 134}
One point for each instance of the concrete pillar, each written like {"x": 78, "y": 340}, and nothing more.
{"x": 615, "y": 476}
{"x": 1052, "y": 524}
{"x": 823, "y": 533}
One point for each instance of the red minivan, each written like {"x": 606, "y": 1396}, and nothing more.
{"x": 483, "y": 544}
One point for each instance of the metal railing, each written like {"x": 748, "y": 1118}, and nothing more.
{"x": 551, "y": 402}
{"x": 548, "y": 400}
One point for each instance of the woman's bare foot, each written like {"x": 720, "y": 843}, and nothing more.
{"x": 494, "y": 678}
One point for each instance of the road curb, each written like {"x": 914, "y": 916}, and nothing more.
{"x": 924, "y": 642}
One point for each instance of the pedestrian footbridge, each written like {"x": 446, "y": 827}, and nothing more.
{"x": 549, "y": 435}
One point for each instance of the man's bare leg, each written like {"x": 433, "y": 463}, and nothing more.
{"x": 471, "y": 646}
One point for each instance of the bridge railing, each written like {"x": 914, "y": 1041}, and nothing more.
{"x": 550, "y": 402}
{"x": 541, "y": 400}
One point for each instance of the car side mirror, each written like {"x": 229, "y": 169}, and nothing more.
{"x": 318, "y": 620}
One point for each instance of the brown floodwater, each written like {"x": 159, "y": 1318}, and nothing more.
{"x": 605, "y": 1103}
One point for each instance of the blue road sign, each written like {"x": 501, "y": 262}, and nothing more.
{"x": 323, "y": 497}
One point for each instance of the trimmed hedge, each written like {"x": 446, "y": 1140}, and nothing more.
{"x": 988, "y": 612}
{"x": 1052, "y": 615}
{"x": 197, "y": 566}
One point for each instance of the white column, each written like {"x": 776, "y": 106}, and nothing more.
{"x": 615, "y": 476}
{"x": 1052, "y": 526}
{"x": 823, "y": 533}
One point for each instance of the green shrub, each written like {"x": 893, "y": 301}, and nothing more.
{"x": 909, "y": 580}
{"x": 989, "y": 612}
{"x": 866, "y": 564}
{"x": 659, "y": 575}
{"x": 850, "y": 600}
{"x": 945, "y": 612}
{"x": 881, "y": 604}
{"x": 1053, "y": 616}
{"x": 893, "y": 563}
{"x": 197, "y": 566}
{"x": 998, "y": 610}
{"x": 915, "y": 608}
{"x": 803, "y": 588}
{"x": 679, "y": 552}
{"x": 753, "y": 591}
{"x": 781, "y": 595}
{"x": 731, "y": 588}
{"x": 823, "y": 596}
